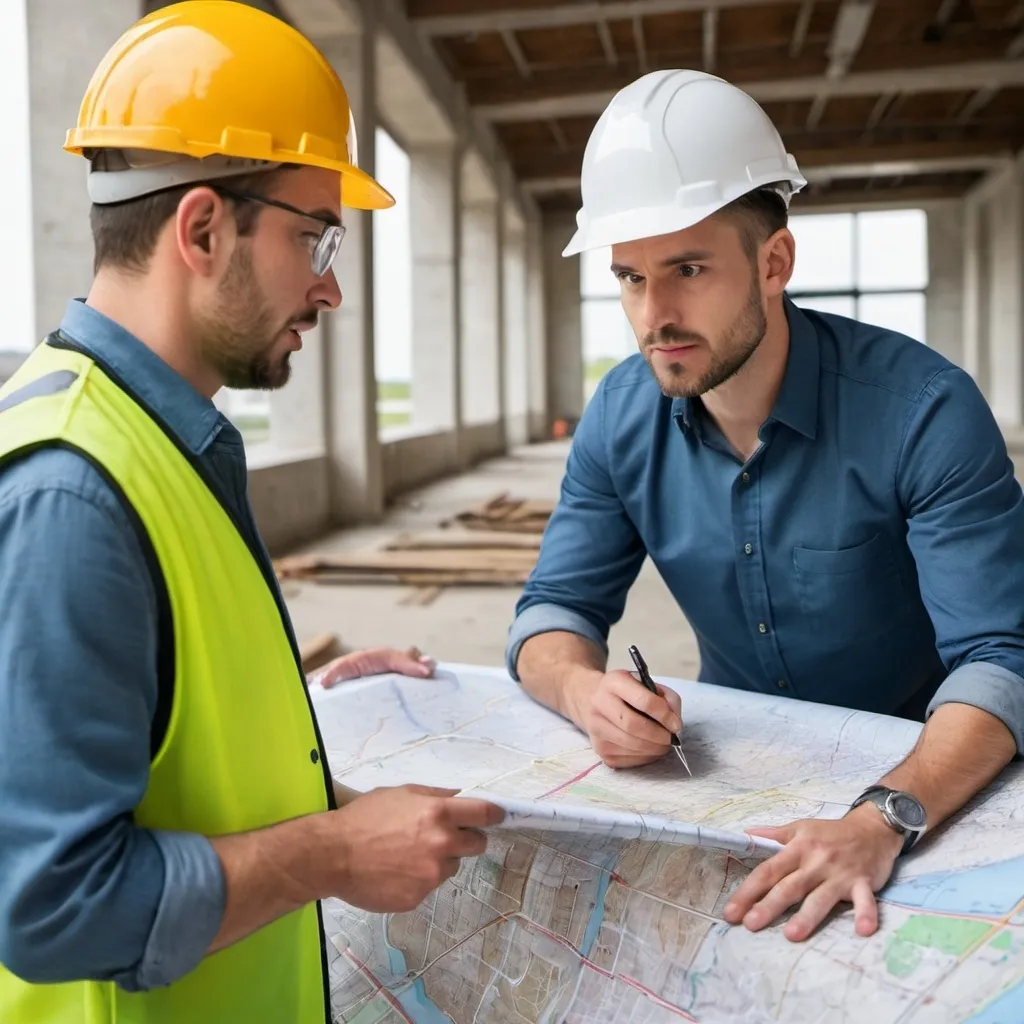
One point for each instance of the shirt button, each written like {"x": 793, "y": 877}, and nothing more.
{"x": 748, "y": 549}
{"x": 745, "y": 478}
{"x": 782, "y": 684}
{"x": 314, "y": 756}
{"x": 762, "y": 628}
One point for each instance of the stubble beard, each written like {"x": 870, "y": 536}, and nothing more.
{"x": 738, "y": 343}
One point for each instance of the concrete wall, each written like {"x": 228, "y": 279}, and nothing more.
{"x": 944, "y": 300}
{"x": 994, "y": 292}
{"x": 564, "y": 321}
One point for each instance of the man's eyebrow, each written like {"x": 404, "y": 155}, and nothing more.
{"x": 672, "y": 261}
{"x": 328, "y": 215}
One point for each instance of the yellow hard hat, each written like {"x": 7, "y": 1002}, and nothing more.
{"x": 222, "y": 80}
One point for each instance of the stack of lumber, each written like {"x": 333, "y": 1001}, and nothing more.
{"x": 505, "y": 514}
{"x": 469, "y": 553}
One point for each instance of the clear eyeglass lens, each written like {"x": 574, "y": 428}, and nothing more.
{"x": 327, "y": 249}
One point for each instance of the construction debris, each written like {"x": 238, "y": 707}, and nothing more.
{"x": 318, "y": 651}
{"x": 506, "y": 514}
{"x": 494, "y": 543}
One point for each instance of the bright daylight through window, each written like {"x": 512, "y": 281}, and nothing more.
{"x": 392, "y": 288}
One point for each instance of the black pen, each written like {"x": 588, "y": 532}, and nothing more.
{"x": 648, "y": 682}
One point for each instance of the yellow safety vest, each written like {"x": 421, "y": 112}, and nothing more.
{"x": 241, "y": 749}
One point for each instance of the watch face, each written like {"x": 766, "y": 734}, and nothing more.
{"x": 907, "y": 810}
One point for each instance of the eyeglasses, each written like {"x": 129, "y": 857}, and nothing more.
{"x": 323, "y": 251}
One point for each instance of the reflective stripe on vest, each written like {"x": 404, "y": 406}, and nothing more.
{"x": 241, "y": 751}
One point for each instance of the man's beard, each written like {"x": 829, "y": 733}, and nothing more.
{"x": 239, "y": 338}
{"x": 736, "y": 346}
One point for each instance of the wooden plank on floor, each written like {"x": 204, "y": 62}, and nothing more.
{"x": 451, "y": 540}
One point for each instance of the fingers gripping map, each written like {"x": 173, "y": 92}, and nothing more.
{"x": 600, "y": 897}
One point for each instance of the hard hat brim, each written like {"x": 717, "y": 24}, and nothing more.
{"x": 359, "y": 191}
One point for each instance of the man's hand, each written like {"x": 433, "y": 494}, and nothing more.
{"x": 372, "y": 662}
{"x": 394, "y": 846}
{"x": 823, "y": 863}
{"x": 605, "y": 706}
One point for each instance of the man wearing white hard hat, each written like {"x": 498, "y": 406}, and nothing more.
{"x": 831, "y": 504}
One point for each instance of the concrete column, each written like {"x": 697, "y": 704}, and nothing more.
{"x": 944, "y": 299}
{"x": 297, "y": 411}
{"x": 515, "y": 308}
{"x": 540, "y": 420}
{"x": 66, "y": 41}
{"x": 350, "y": 391}
{"x": 479, "y": 272}
{"x": 1006, "y": 297}
{"x": 16, "y": 197}
{"x": 564, "y": 318}
{"x": 436, "y": 223}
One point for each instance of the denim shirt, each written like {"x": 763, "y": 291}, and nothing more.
{"x": 84, "y": 892}
{"x": 869, "y": 554}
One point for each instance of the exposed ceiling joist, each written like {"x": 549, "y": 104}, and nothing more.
{"x": 710, "y": 39}
{"x": 825, "y": 173}
{"x": 978, "y": 100}
{"x": 1016, "y": 48}
{"x": 516, "y": 53}
{"x": 640, "y": 43}
{"x": 848, "y": 32}
{"x": 559, "y": 15}
{"x": 803, "y": 23}
{"x": 607, "y": 43}
{"x": 882, "y": 107}
{"x": 944, "y": 78}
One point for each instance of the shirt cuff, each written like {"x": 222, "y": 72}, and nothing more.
{"x": 989, "y": 687}
{"x": 548, "y": 618}
{"x": 188, "y": 916}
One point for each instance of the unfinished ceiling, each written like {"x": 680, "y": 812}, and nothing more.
{"x": 877, "y": 99}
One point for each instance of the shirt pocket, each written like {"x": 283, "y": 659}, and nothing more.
{"x": 850, "y": 595}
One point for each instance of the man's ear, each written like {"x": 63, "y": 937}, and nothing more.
{"x": 779, "y": 256}
{"x": 205, "y": 231}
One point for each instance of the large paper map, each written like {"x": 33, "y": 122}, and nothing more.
{"x": 552, "y": 927}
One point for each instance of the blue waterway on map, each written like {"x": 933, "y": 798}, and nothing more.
{"x": 1007, "y": 1009}
{"x": 414, "y": 999}
{"x": 597, "y": 914}
{"x": 993, "y": 889}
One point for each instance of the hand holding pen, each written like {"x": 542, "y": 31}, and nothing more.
{"x": 649, "y": 684}
{"x": 628, "y": 723}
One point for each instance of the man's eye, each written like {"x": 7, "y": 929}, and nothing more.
{"x": 689, "y": 270}
{"x": 629, "y": 278}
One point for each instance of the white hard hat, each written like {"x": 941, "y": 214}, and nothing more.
{"x": 671, "y": 149}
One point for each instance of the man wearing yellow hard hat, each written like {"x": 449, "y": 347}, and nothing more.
{"x": 168, "y": 822}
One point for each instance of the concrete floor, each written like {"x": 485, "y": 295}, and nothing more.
{"x": 469, "y": 624}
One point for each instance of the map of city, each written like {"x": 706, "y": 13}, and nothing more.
{"x": 553, "y": 926}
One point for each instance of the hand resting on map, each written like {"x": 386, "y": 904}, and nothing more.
{"x": 374, "y": 661}
{"x": 823, "y": 863}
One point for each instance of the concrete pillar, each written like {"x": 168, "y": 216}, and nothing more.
{"x": 297, "y": 411}
{"x": 350, "y": 390}
{"x": 540, "y": 420}
{"x": 66, "y": 41}
{"x": 515, "y": 308}
{"x": 480, "y": 272}
{"x": 16, "y": 196}
{"x": 436, "y": 239}
{"x": 564, "y": 318}
{"x": 944, "y": 299}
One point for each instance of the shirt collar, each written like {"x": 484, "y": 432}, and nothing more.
{"x": 796, "y": 405}
{"x": 191, "y": 416}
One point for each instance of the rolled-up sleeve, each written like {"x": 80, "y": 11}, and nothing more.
{"x": 591, "y": 551}
{"x": 85, "y": 894}
{"x": 965, "y": 516}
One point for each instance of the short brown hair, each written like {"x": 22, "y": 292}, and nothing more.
{"x": 759, "y": 214}
{"x": 125, "y": 234}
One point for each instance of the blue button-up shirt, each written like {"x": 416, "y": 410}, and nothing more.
{"x": 869, "y": 554}
{"x": 84, "y": 893}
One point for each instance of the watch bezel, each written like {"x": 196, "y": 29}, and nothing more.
{"x": 894, "y": 795}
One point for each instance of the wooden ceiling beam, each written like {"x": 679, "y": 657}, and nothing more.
{"x": 559, "y": 15}
{"x": 942, "y": 78}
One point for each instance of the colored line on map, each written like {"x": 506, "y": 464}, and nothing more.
{"x": 572, "y": 782}
{"x": 381, "y": 989}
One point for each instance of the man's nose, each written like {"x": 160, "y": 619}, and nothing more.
{"x": 660, "y": 306}
{"x": 327, "y": 293}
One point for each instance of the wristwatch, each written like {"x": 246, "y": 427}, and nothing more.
{"x": 903, "y": 813}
